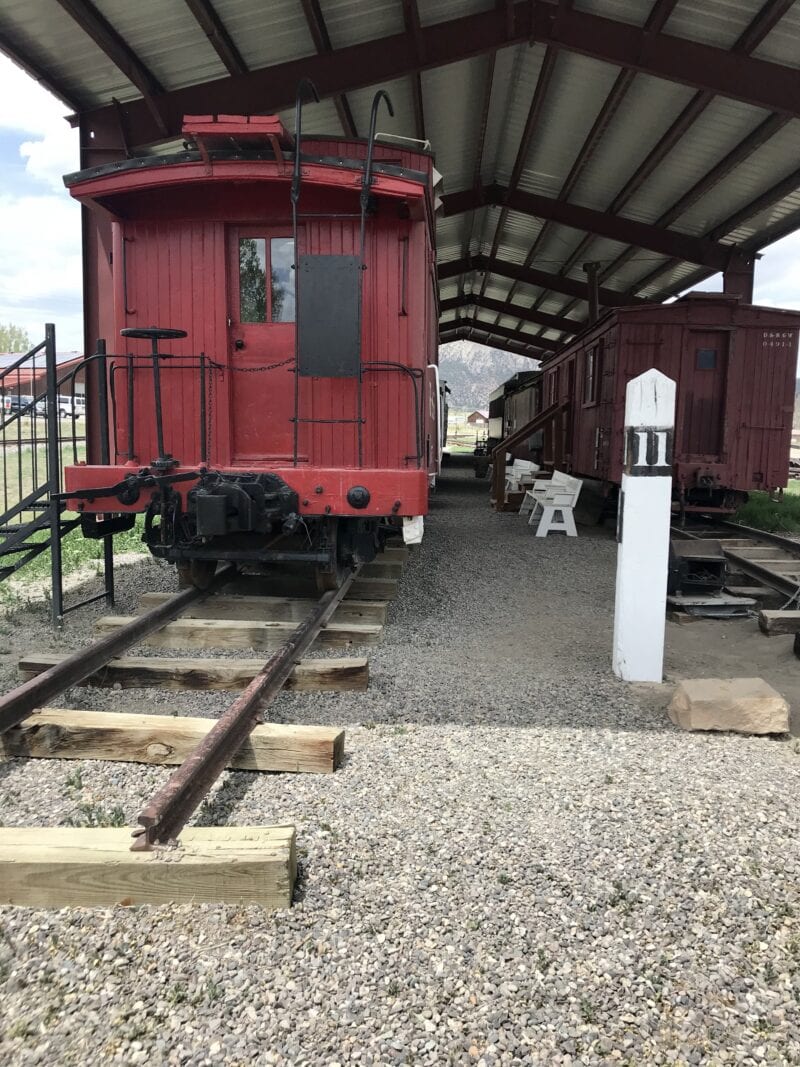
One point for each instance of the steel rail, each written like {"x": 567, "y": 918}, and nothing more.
{"x": 761, "y": 571}
{"x": 763, "y": 535}
{"x": 165, "y": 815}
{"x": 20, "y": 702}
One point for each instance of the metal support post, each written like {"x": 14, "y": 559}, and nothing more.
{"x": 643, "y": 526}
{"x": 105, "y": 459}
{"x": 54, "y": 474}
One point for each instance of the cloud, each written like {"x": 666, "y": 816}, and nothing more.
{"x": 778, "y": 274}
{"x": 25, "y": 105}
{"x": 40, "y": 233}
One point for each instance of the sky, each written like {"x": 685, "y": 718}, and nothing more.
{"x": 40, "y": 254}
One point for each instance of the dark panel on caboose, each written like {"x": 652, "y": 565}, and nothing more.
{"x": 329, "y": 316}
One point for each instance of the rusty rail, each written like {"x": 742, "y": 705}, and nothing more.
{"x": 165, "y": 815}
{"x": 20, "y": 702}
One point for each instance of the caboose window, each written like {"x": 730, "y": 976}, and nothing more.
{"x": 706, "y": 359}
{"x": 252, "y": 279}
{"x": 256, "y": 303}
{"x": 281, "y": 260}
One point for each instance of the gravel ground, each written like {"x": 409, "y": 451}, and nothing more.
{"x": 520, "y": 862}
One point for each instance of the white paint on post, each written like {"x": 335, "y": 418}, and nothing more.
{"x": 643, "y": 529}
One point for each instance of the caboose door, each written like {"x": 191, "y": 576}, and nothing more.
{"x": 261, "y": 330}
{"x": 704, "y": 375}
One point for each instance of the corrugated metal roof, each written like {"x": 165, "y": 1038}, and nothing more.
{"x": 721, "y": 22}
{"x": 180, "y": 54}
{"x": 348, "y": 21}
{"x": 263, "y": 34}
{"x": 580, "y": 85}
{"x": 431, "y": 11}
{"x": 58, "y": 45}
{"x": 619, "y": 171}
{"x": 719, "y": 129}
{"x": 627, "y": 141}
{"x": 632, "y": 11}
{"x": 783, "y": 44}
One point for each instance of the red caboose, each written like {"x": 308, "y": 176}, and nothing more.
{"x": 285, "y": 408}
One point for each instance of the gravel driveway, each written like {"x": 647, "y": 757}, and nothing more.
{"x": 520, "y": 862}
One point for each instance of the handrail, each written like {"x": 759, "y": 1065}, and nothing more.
{"x": 516, "y": 438}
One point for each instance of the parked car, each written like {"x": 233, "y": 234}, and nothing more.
{"x": 68, "y": 409}
{"x": 16, "y": 401}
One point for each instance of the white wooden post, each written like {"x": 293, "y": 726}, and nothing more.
{"x": 643, "y": 529}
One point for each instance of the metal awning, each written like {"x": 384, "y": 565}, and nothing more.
{"x": 659, "y": 139}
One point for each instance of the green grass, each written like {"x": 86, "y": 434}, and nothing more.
{"x": 775, "y": 516}
{"x": 77, "y": 550}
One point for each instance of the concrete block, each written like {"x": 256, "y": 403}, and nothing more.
{"x": 745, "y": 705}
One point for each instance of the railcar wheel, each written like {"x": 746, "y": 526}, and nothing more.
{"x": 331, "y": 576}
{"x": 196, "y": 572}
{"x": 330, "y": 579}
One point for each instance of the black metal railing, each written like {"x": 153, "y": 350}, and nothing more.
{"x": 126, "y": 370}
{"x": 33, "y": 444}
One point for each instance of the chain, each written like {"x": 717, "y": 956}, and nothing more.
{"x": 221, "y": 367}
{"x": 210, "y": 412}
{"x": 251, "y": 370}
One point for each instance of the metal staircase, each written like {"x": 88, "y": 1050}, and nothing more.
{"x": 32, "y": 515}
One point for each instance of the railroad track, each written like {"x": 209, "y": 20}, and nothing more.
{"x": 200, "y": 749}
{"x": 768, "y": 558}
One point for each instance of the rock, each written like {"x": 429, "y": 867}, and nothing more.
{"x": 745, "y": 705}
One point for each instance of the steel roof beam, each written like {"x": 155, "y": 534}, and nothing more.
{"x": 449, "y": 336}
{"x": 322, "y": 42}
{"x": 756, "y": 81}
{"x": 541, "y": 318}
{"x": 616, "y": 227}
{"x": 482, "y": 128}
{"x": 656, "y": 20}
{"x": 768, "y": 128}
{"x": 413, "y": 26}
{"x": 485, "y": 333}
{"x": 785, "y": 187}
{"x": 531, "y": 124}
{"x": 521, "y": 336}
{"x": 531, "y": 276}
{"x": 86, "y": 15}
{"x": 762, "y": 24}
{"x": 221, "y": 41}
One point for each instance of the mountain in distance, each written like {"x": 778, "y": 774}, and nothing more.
{"x": 473, "y": 371}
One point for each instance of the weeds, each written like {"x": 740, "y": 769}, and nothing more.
{"x": 91, "y": 814}
{"x": 74, "y": 780}
{"x": 588, "y": 1014}
{"x": 775, "y": 516}
{"x": 21, "y": 1028}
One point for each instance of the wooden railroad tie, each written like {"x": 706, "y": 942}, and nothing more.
{"x": 57, "y": 733}
{"x": 779, "y": 622}
{"x": 270, "y": 608}
{"x": 141, "y": 672}
{"x": 232, "y": 633}
{"x": 62, "y": 866}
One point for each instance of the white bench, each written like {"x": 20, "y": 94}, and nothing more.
{"x": 521, "y": 470}
{"x": 557, "y": 495}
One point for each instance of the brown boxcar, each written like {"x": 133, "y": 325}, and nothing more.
{"x": 734, "y": 365}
